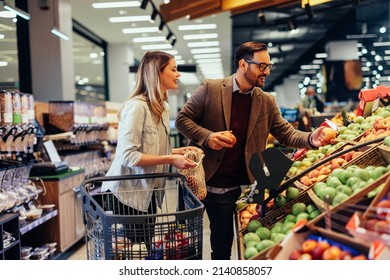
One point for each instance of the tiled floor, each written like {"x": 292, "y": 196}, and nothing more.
{"x": 79, "y": 251}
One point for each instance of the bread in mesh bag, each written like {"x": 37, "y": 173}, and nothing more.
{"x": 195, "y": 176}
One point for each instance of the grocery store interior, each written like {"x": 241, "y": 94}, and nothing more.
{"x": 66, "y": 66}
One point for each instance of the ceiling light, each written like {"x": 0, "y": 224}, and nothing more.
{"x": 361, "y": 36}
{"x": 7, "y": 14}
{"x": 153, "y": 16}
{"x": 172, "y": 52}
{"x": 169, "y": 36}
{"x": 120, "y": 4}
{"x": 197, "y": 26}
{"x": 207, "y": 55}
{"x": 3, "y": 63}
{"x": 140, "y": 30}
{"x": 2, "y": 36}
{"x": 58, "y": 33}
{"x": 206, "y": 50}
{"x": 382, "y": 29}
{"x": 208, "y": 60}
{"x": 321, "y": 55}
{"x": 129, "y": 18}
{"x": 161, "y": 26}
{"x": 17, "y": 11}
{"x": 291, "y": 25}
{"x": 309, "y": 10}
{"x": 203, "y": 44}
{"x": 156, "y": 47}
{"x": 173, "y": 43}
{"x": 200, "y": 36}
{"x": 144, "y": 4}
{"x": 149, "y": 39}
{"x": 381, "y": 44}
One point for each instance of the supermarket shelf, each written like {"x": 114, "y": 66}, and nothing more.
{"x": 33, "y": 224}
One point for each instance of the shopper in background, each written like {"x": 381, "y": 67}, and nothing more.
{"x": 235, "y": 104}
{"x": 312, "y": 100}
{"x": 144, "y": 145}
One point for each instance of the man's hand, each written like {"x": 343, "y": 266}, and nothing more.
{"x": 218, "y": 141}
{"x": 316, "y": 139}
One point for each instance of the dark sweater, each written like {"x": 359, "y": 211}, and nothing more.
{"x": 232, "y": 170}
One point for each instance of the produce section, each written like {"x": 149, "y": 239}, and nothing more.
{"x": 323, "y": 189}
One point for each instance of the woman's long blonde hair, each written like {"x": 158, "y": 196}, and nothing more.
{"x": 148, "y": 83}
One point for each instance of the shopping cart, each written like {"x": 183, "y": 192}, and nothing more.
{"x": 172, "y": 228}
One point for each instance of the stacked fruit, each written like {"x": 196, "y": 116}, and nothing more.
{"x": 259, "y": 237}
{"x": 343, "y": 183}
{"x": 318, "y": 248}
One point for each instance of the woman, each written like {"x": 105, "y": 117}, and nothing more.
{"x": 144, "y": 143}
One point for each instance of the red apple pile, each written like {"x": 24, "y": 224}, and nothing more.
{"x": 380, "y": 222}
{"x": 321, "y": 250}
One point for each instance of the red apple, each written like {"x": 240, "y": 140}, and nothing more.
{"x": 295, "y": 254}
{"x": 308, "y": 245}
{"x": 332, "y": 253}
{"x": 319, "y": 250}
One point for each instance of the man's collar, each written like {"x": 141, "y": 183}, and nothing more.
{"x": 236, "y": 88}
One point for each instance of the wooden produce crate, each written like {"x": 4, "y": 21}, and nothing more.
{"x": 385, "y": 151}
{"x": 372, "y": 157}
{"x": 372, "y": 225}
{"x": 295, "y": 239}
{"x": 270, "y": 219}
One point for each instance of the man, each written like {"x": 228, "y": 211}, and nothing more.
{"x": 235, "y": 104}
{"x": 311, "y": 100}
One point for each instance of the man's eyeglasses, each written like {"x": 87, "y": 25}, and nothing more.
{"x": 261, "y": 65}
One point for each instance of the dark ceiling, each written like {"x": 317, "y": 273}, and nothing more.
{"x": 332, "y": 21}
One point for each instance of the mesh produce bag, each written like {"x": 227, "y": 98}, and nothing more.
{"x": 195, "y": 176}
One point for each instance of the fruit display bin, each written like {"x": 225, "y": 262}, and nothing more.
{"x": 336, "y": 218}
{"x": 373, "y": 157}
{"x": 362, "y": 150}
{"x": 268, "y": 221}
{"x": 374, "y": 224}
{"x": 295, "y": 240}
{"x": 385, "y": 151}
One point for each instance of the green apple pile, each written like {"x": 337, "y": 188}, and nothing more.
{"x": 353, "y": 130}
{"x": 342, "y": 183}
{"x": 258, "y": 237}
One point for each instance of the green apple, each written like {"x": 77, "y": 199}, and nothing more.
{"x": 333, "y": 182}
{"x": 314, "y": 214}
{"x": 344, "y": 189}
{"x": 263, "y": 233}
{"x": 359, "y": 119}
{"x": 278, "y": 237}
{"x": 327, "y": 194}
{"x": 254, "y": 225}
{"x": 290, "y": 218}
{"x": 344, "y": 175}
{"x": 387, "y": 141}
{"x": 250, "y": 236}
{"x": 353, "y": 181}
{"x": 280, "y": 200}
{"x": 362, "y": 174}
{"x": 303, "y": 216}
{"x": 310, "y": 208}
{"x": 264, "y": 244}
{"x": 292, "y": 193}
{"x": 250, "y": 252}
{"x": 297, "y": 208}
{"x": 287, "y": 226}
{"x": 339, "y": 198}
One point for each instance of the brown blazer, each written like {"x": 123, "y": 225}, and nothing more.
{"x": 208, "y": 110}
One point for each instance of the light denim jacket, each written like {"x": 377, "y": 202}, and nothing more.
{"x": 138, "y": 135}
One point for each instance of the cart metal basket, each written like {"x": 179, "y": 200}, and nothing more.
{"x": 172, "y": 228}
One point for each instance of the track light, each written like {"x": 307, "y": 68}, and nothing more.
{"x": 58, "y": 33}
{"x": 161, "y": 26}
{"x": 261, "y": 18}
{"x": 153, "y": 16}
{"x": 169, "y": 36}
{"x": 144, "y": 4}
{"x": 173, "y": 43}
{"x": 17, "y": 11}
{"x": 309, "y": 10}
{"x": 291, "y": 25}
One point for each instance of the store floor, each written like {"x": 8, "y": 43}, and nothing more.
{"x": 79, "y": 252}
